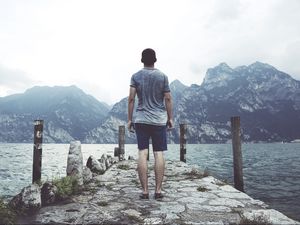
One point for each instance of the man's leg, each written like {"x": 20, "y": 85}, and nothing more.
{"x": 143, "y": 170}
{"x": 159, "y": 170}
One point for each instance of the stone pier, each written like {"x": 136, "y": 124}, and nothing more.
{"x": 191, "y": 197}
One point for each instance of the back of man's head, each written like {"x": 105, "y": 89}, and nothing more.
{"x": 148, "y": 57}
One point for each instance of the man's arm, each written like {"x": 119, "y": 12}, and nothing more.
{"x": 169, "y": 107}
{"x": 131, "y": 98}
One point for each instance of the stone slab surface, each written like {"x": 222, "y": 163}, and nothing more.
{"x": 190, "y": 198}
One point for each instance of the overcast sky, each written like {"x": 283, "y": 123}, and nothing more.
{"x": 97, "y": 45}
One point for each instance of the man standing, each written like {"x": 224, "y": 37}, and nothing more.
{"x": 153, "y": 117}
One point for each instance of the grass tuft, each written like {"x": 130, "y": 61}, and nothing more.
{"x": 257, "y": 220}
{"x": 102, "y": 203}
{"x": 123, "y": 167}
{"x": 202, "y": 189}
{"x": 66, "y": 187}
{"x": 98, "y": 183}
{"x": 194, "y": 174}
{"x": 109, "y": 187}
{"x": 134, "y": 181}
{"x": 134, "y": 218}
{"x": 7, "y": 215}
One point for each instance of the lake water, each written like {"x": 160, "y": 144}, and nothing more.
{"x": 271, "y": 171}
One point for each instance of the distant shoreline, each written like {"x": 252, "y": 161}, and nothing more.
{"x": 297, "y": 141}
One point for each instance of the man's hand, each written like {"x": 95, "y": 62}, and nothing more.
{"x": 169, "y": 107}
{"x": 130, "y": 126}
{"x": 170, "y": 124}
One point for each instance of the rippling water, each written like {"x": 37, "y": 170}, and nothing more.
{"x": 271, "y": 171}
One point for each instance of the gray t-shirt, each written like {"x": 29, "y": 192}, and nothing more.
{"x": 150, "y": 85}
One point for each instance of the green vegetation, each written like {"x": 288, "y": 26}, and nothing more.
{"x": 39, "y": 183}
{"x": 202, "y": 189}
{"x": 109, "y": 186}
{"x": 123, "y": 167}
{"x": 222, "y": 183}
{"x": 7, "y": 215}
{"x": 151, "y": 168}
{"x": 257, "y": 220}
{"x": 195, "y": 174}
{"x": 66, "y": 187}
{"x": 103, "y": 203}
{"x": 99, "y": 183}
{"x": 133, "y": 218}
{"x": 134, "y": 181}
{"x": 93, "y": 190}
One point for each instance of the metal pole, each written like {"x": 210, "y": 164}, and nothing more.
{"x": 37, "y": 151}
{"x": 237, "y": 153}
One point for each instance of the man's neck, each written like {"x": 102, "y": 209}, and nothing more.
{"x": 149, "y": 66}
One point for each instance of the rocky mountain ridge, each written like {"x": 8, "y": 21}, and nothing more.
{"x": 266, "y": 99}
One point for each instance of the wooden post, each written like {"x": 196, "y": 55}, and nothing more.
{"x": 148, "y": 155}
{"x": 121, "y": 143}
{"x": 237, "y": 153}
{"x": 116, "y": 152}
{"x": 183, "y": 129}
{"x": 37, "y": 151}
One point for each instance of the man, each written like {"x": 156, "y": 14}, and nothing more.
{"x": 153, "y": 117}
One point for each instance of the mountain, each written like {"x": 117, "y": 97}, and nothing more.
{"x": 107, "y": 132}
{"x": 266, "y": 99}
{"x": 68, "y": 112}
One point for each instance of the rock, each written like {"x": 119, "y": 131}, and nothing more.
{"x": 28, "y": 201}
{"x": 133, "y": 214}
{"x": 103, "y": 158}
{"x": 268, "y": 216}
{"x": 130, "y": 157}
{"x": 103, "y": 166}
{"x": 48, "y": 194}
{"x": 95, "y": 166}
{"x": 87, "y": 174}
{"x": 110, "y": 158}
{"x": 108, "y": 161}
{"x": 115, "y": 160}
{"x": 75, "y": 161}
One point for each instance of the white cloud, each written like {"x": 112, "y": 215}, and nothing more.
{"x": 12, "y": 81}
{"x": 96, "y": 45}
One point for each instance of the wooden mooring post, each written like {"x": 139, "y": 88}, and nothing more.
{"x": 183, "y": 129}
{"x": 121, "y": 143}
{"x": 237, "y": 153}
{"x": 37, "y": 151}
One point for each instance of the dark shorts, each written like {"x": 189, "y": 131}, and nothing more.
{"x": 158, "y": 135}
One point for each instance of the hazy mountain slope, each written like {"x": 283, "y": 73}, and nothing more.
{"x": 68, "y": 112}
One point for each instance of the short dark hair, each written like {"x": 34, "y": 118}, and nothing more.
{"x": 148, "y": 56}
